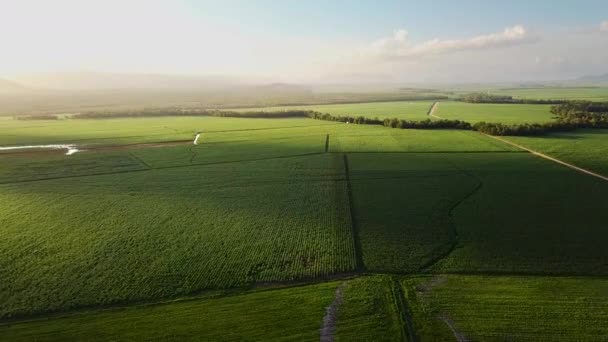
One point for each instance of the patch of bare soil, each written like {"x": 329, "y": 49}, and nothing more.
{"x": 331, "y": 316}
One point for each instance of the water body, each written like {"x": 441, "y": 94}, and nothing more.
{"x": 70, "y": 149}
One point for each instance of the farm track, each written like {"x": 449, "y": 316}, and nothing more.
{"x": 141, "y": 161}
{"x": 405, "y": 317}
{"x": 360, "y": 266}
{"x": 433, "y": 109}
{"x": 555, "y": 160}
{"x": 460, "y": 337}
{"x": 331, "y": 316}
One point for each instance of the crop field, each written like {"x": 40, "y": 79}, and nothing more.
{"x": 271, "y": 315}
{"x": 503, "y": 113}
{"x": 401, "y": 204}
{"x": 368, "y": 311}
{"x": 131, "y": 130}
{"x": 524, "y": 208}
{"x": 509, "y": 308}
{"x": 337, "y": 214}
{"x": 408, "y": 110}
{"x": 116, "y": 238}
{"x": 587, "y": 148}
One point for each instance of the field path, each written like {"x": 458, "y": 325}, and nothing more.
{"x": 460, "y": 337}
{"x": 542, "y": 155}
{"x": 331, "y": 315}
{"x": 433, "y": 109}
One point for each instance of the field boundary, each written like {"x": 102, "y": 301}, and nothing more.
{"x": 360, "y": 266}
{"x": 405, "y": 318}
{"x": 139, "y": 160}
{"x": 555, "y": 160}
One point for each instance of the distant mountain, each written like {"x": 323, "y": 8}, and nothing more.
{"x": 594, "y": 79}
{"x": 101, "y": 81}
{"x": 282, "y": 88}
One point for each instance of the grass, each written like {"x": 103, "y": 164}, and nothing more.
{"x": 587, "y": 148}
{"x": 410, "y": 110}
{"x": 368, "y": 311}
{"x": 503, "y": 113}
{"x": 486, "y": 308}
{"x": 272, "y": 315}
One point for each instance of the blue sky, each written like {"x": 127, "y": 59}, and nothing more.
{"x": 329, "y": 41}
{"x": 426, "y": 19}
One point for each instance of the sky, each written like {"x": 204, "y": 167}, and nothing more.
{"x": 310, "y": 41}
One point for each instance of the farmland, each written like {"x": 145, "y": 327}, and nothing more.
{"x": 599, "y": 93}
{"x": 264, "y": 213}
{"x": 369, "y": 311}
{"x": 408, "y": 110}
{"x": 503, "y": 113}
{"x": 585, "y": 148}
{"x": 484, "y": 308}
{"x": 164, "y": 233}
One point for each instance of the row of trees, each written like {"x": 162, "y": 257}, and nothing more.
{"x": 192, "y": 112}
{"x": 522, "y": 129}
{"x": 37, "y": 117}
{"x": 487, "y": 98}
{"x": 427, "y": 124}
{"x": 582, "y": 113}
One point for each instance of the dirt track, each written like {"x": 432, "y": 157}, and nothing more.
{"x": 433, "y": 109}
{"x": 536, "y": 153}
{"x": 331, "y": 315}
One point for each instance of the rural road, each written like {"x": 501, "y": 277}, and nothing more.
{"x": 433, "y": 109}
{"x": 536, "y": 153}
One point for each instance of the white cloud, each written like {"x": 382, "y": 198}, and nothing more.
{"x": 604, "y": 26}
{"x": 399, "y": 45}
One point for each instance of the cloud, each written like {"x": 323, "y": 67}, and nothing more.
{"x": 399, "y": 46}
{"x": 604, "y": 26}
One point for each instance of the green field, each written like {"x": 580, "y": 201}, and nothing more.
{"x": 502, "y": 113}
{"x": 587, "y": 148}
{"x": 134, "y": 236}
{"x": 132, "y": 130}
{"x": 407, "y": 110}
{"x": 368, "y": 311}
{"x": 487, "y": 308}
{"x": 141, "y": 218}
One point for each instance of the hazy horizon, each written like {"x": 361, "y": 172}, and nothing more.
{"x": 309, "y": 43}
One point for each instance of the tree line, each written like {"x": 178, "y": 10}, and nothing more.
{"x": 36, "y": 117}
{"x": 503, "y": 99}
